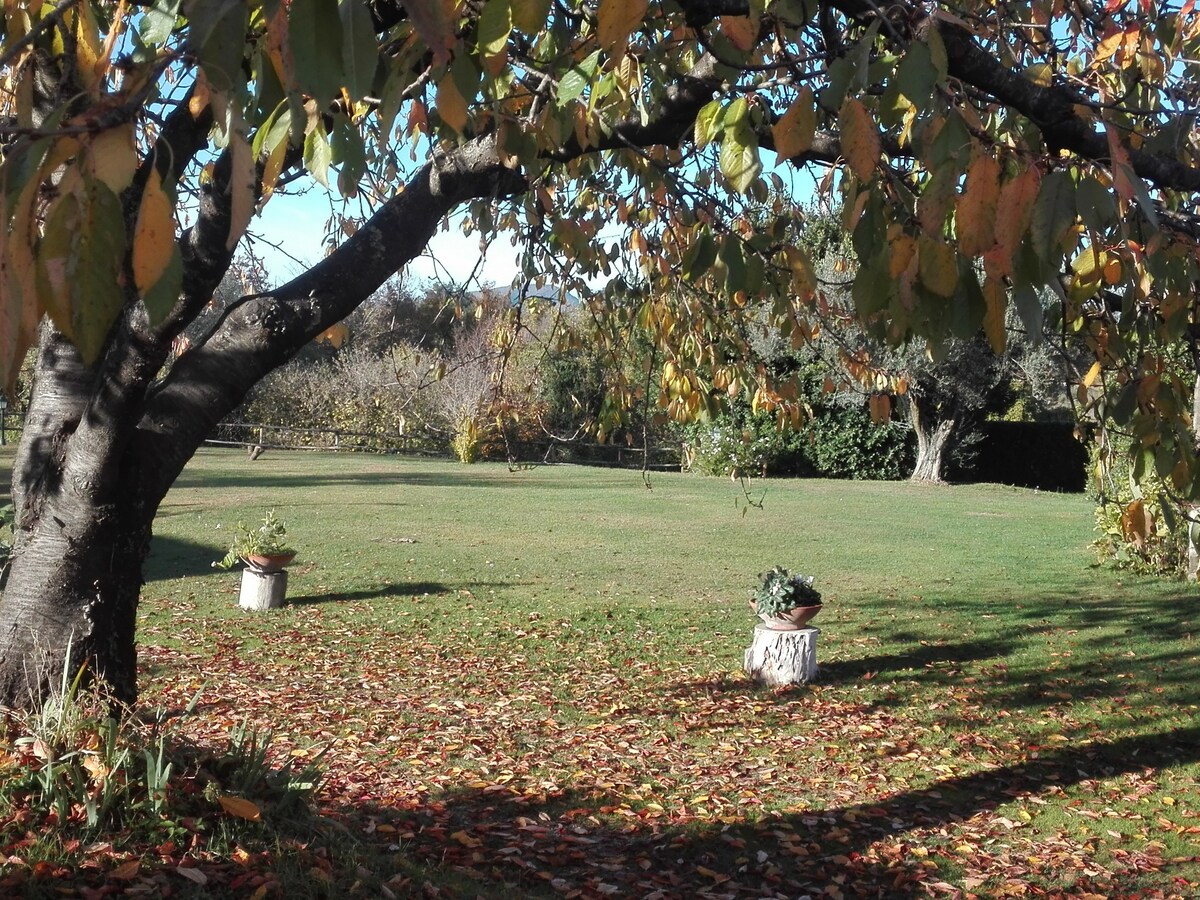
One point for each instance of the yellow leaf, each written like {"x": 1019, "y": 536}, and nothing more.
{"x": 530, "y": 15}
{"x": 936, "y": 198}
{"x": 860, "y": 139}
{"x": 616, "y": 20}
{"x": 1093, "y": 373}
{"x": 466, "y": 840}
{"x": 451, "y": 105}
{"x": 1108, "y": 46}
{"x": 113, "y": 157}
{"x": 240, "y": 808}
{"x": 1014, "y": 212}
{"x": 154, "y": 235}
{"x": 88, "y": 50}
{"x": 903, "y": 249}
{"x": 993, "y": 319}
{"x": 335, "y": 334}
{"x": 1040, "y": 74}
{"x": 793, "y": 133}
{"x": 20, "y": 304}
{"x": 938, "y": 265}
{"x": 977, "y": 206}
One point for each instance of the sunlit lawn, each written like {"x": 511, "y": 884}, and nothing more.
{"x": 530, "y": 681}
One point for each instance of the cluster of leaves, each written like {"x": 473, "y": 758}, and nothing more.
{"x": 1139, "y": 525}
{"x": 83, "y": 768}
{"x": 979, "y": 158}
{"x": 268, "y": 538}
{"x": 779, "y": 591}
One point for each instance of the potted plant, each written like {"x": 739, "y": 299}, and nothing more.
{"x": 264, "y": 548}
{"x": 785, "y": 602}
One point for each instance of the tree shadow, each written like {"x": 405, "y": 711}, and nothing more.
{"x": 937, "y": 661}
{"x": 263, "y": 480}
{"x": 172, "y": 557}
{"x": 383, "y": 591}
{"x": 514, "y": 841}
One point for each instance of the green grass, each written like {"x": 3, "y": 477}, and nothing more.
{"x": 510, "y": 668}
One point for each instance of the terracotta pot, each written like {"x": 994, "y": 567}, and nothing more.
{"x": 793, "y": 620}
{"x": 273, "y": 563}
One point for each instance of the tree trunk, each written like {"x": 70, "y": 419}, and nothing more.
{"x": 81, "y": 534}
{"x": 1193, "y": 527}
{"x": 933, "y": 444}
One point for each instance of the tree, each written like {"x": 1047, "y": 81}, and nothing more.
{"x": 946, "y": 399}
{"x": 1047, "y": 144}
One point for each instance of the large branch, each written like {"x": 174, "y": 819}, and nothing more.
{"x": 260, "y": 333}
{"x": 1051, "y": 108}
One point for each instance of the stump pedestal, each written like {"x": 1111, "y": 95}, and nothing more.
{"x": 782, "y": 657}
{"x": 262, "y": 590}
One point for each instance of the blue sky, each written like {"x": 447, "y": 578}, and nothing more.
{"x": 297, "y": 224}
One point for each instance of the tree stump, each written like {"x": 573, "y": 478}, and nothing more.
{"x": 262, "y": 591}
{"x": 782, "y": 657}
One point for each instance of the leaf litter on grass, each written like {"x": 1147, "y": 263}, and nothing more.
{"x": 605, "y": 774}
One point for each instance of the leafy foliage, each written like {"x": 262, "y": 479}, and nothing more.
{"x": 780, "y": 591}
{"x": 267, "y": 539}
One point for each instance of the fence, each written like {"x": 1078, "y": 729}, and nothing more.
{"x": 287, "y": 437}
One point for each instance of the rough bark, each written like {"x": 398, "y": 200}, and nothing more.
{"x": 934, "y": 438}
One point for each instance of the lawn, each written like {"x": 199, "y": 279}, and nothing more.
{"x": 528, "y": 683}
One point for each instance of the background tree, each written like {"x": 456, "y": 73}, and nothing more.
{"x": 1051, "y": 145}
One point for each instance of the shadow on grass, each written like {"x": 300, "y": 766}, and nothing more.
{"x": 172, "y": 557}
{"x": 261, "y": 479}
{"x": 594, "y": 843}
{"x": 408, "y": 589}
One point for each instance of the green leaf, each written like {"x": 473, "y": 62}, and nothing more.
{"x": 348, "y": 152}
{"x": 1029, "y": 308}
{"x": 700, "y": 256}
{"x": 495, "y": 25}
{"x": 158, "y": 21}
{"x": 163, "y": 296}
{"x": 360, "y": 49}
{"x": 318, "y": 154}
{"x": 315, "y": 36}
{"x": 739, "y": 160}
{"x": 873, "y": 286}
{"x": 576, "y": 79}
{"x": 217, "y": 35}
{"x": 736, "y": 113}
{"x": 968, "y": 305}
{"x": 1096, "y": 205}
{"x": 709, "y": 122}
{"x": 530, "y": 15}
{"x": 916, "y": 75}
{"x": 1053, "y": 214}
{"x": 735, "y": 264}
{"x": 273, "y": 131}
{"x": 79, "y": 265}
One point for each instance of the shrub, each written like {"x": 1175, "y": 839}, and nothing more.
{"x": 847, "y": 444}
{"x": 1141, "y": 527}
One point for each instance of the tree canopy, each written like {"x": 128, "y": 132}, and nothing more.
{"x": 982, "y": 153}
